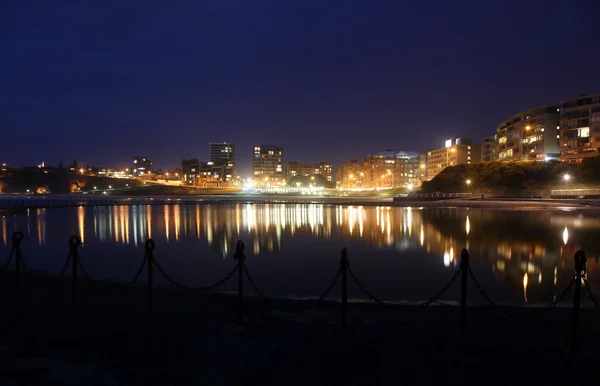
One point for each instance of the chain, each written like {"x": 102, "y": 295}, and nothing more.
{"x": 251, "y": 280}
{"x": 184, "y": 287}
{"x": 444, "y": 290}
{"x": 483, "y": 293}
{"x": 10, "y": 256}
{"x": 364, "y": 289}
{"x": 66, "y": 265}
{"x": 140, "y": 270}
{"x": 82, "y": 268}
{"x": 22, "y": 260}
{"x": 331, "y": 285}
{"x": 562, "y": 295}
{"x": 590, "y": 293}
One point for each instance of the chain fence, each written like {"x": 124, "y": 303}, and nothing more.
{"x": 252, "y": 283}
{"x": 140, "y": 270}
{"x": 195, "y": 289}
{"x": 489, "y": 300}
{"x": 364, "y": 289}
{"x": 9, "y": 259}
{"x": 443, "y": 291}
{"x": 591, "y": 294}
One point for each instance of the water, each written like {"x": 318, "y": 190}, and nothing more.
{"x": 293, "y": 250}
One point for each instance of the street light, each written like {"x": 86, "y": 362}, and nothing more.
{"x": 566, "y": 177}
{"x": 468, "y": 182}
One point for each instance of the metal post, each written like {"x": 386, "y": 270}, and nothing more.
{"x": 74, "y": 242}
{"x": 344, "y": 264}
{"x": 150, "y": 264}
{"x": 464, "y": 268}
{"x": 239, "y": 255}
{"x": 580, "y": 260}
{"x": 17, "y": 237}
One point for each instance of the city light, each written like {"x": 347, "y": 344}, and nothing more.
{"x": 468, "y": 182}
{"x": 566, "y": 177}
{"x": 81, "y": 171}
{"x": 410, "y": 187}
{"x": 527, "y": 127}
{"x": 110, "y": 186}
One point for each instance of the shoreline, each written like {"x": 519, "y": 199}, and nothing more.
{"x": 19, "y": 204}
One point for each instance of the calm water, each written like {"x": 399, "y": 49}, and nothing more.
{"x": 294, "y": 250}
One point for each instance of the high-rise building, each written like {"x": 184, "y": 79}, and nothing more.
{"x": 580, "y": 128}
{"x": 267, "y": 165}
{"x": 528, "y": 136}
{"x": 223, "y": 154}
{"x": 457, "y": 151}
{"x": 488, "y": 149}
{"x": 295, "y": 168}
{"x": 141, "y": 166}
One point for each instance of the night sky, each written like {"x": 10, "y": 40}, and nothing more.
{"x": 102, "y": 81}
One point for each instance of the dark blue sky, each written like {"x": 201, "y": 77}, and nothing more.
{"x": 101, "y": 81}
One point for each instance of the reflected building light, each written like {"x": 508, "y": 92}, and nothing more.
{"x": 540, "y": 277}
{"x": 135, "y": 217}
{"x": 115, "y": 217}
{"x": 127, "y": 214}
{"x": 110, "y": 223}
{"x": 96, "y": 222}
{"x": 177, "y": 220}
{"x": 122, "y": 216}
{"x": 198, "y": 222}
{"x": 238, "y": 218}
{"x": 149, "y": 221}
{"x": 555, "y": 274}
{"x": 80, "y": 223}
{"x": 422, "y": 235}
{"x": 41, "y": 227}
{"x": 451, "y": 254}
{"x": 360, "y": 222}
{"x": 500, "y": 265}
{"x": 167, "y": 222}
{"x": 256, "y": 246}
{"x": 446, "y": 259}
{"x": 525, "y": 281}
{"x": 468, "y": 226}
{"x": 565, "y": 236}
{"x": 409, "y": 220}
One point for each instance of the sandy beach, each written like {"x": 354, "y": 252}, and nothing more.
{"x": 110, "y": 338}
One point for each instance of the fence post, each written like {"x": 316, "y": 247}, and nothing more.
{"x": 17, "y": 237}
{"x": 344, "y": 266}
{"x": 464, "y": 268}
{"x": 239, "y": 255}
{"x": 150, "y": 263}
{"x": 74, "y": 242}
{"x": 580, "y": 260}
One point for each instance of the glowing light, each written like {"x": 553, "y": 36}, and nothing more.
{"x": 565, "y": 236}
{"x": 525, "y": 281}
{"x": 468, "y": 182}
{"x": 468, "y": 225}
{"x": 566, "y": 177}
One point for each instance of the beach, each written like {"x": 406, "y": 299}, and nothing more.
{"x": 111, "y": 338}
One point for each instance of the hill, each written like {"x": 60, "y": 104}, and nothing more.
{"x": 512, "y": 177}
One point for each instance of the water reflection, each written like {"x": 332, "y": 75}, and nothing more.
{"x": 528, "y": 251}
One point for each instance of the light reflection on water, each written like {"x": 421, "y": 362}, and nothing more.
{"x": 527, "y": 253}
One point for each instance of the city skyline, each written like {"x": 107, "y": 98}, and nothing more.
{"x": 308, "y": 87}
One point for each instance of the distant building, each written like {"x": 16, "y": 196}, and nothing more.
{"x": 223, "y": 154}
{"x": 382, "y": 170}
{"x": 580, "y": 128}
{"x": 457, "y": 151}
{"x": 351, "y": 175}
{"x": 141, "y": 166}
{"x": 411, "y": 169}
{"x": 488, "y": 149}
{"x": 295, "y": 168}
{"x": 190, "y": 170}
{"x": 267, "y": 165}
{"x": 528, "y": 136}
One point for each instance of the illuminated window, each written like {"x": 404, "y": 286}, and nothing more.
{"x": 584, "y": 132}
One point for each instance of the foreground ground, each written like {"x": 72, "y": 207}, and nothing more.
{"x": 110, "y": 338}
